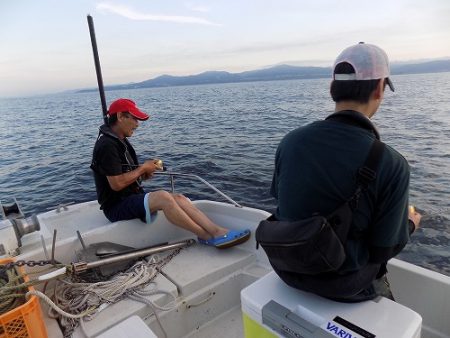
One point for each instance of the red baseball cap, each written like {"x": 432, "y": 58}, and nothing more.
{"x": 127, "y": 105}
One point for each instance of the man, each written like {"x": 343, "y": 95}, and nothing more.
{"x": 316, "y": 169}
{"x": 118, "y": 178}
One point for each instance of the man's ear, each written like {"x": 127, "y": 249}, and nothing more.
{"x": 379, "y": 90}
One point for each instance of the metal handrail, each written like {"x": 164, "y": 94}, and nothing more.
{"x": 173, "y": 174}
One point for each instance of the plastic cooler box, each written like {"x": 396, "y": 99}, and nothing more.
{"x": 273, "y": 309}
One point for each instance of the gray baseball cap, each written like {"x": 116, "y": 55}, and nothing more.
{"x": 369, "y": 61}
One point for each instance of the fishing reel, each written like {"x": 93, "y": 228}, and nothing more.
{"x": 159, "y": 164}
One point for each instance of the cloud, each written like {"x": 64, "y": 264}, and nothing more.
{"x": 131, "y": 14}
{"x": 197, "y": 8}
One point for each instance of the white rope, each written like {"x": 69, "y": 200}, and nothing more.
{"x": 75, "y": 301}
{"x": 55, "y": 307}
{"x": 153, "y": 306}
{"x": 141, "y": 294}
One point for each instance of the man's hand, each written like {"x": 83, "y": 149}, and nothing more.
{"x": 146, "y": 176}
{"x": 150, "y": 167}
{"x": 414, "y": 216}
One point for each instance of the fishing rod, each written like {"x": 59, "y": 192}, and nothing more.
{"x": 98, "y": 69}
{"x": 101, "y": 90}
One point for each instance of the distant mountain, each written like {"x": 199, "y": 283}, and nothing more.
{"x": 280, "y": 72}
{"x": 437, "y": 66}
{"x": 203, "y": 78}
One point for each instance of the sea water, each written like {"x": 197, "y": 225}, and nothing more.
{"x": 226, "y": 134}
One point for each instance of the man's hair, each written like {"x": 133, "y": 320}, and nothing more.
{"x": 351, "y": 90}
{"x": 112, "y": 119}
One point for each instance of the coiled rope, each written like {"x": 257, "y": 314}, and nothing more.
{"x": 10, "y": 281}
{"x": 73, "y": 301}
{"x": 13, "y": 287}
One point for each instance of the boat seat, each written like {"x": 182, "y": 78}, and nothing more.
{"x": 199, "y": 266}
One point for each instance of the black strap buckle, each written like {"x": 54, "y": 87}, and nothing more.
{"x": 366, "y": 175}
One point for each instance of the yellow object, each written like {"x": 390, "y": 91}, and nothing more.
{"x": 25, "y": 320}
{"x": 412, "y": 209}
{"x": 159, "y": 164}
{"x": 253, "y": 329}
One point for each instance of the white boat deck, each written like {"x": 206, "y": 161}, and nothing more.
{"x": 206, "y": 282}
{"x": 227, "y": 325}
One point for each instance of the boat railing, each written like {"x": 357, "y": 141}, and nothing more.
{"x": 172, "y": 175}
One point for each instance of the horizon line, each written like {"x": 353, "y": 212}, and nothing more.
{"x": 285, "y": 63}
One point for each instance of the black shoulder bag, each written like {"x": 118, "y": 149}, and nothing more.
{"x": 315, "y": 245}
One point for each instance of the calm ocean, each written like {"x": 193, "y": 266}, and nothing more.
{"x": 227, "y": 134}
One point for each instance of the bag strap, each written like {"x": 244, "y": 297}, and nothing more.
{"x": 340, "y": 218}
{"x": 368, "y": 172}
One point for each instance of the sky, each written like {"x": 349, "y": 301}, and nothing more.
{"x": 45, "y": 45}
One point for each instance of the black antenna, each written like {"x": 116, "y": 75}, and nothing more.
{"x": 98, "y": 70}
